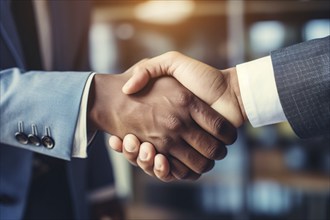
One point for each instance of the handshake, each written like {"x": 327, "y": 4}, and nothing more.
{"x": 171, "y": 115}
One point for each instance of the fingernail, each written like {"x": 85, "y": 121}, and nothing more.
{"x": 129, "y": 148}
{"x": 158, "y": 165}
{"x": 143, "y": 155}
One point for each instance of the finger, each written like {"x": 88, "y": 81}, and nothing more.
{"x": 212, "y": 122}
{"x": 139, "y": 79}
{"x": 116, "y": 143}
{"x": 181, "y": 171}
{"x": 144, "y": 71}
{"x": 205, "y": 144}
{"x": 192, "y": 159}
{"x": 162, "y": 168}
{"x": 137, "y": 64}
{"x": 131, "y": 147}
{"x": 146, "y": 158}
{"x": 136, "y": 82}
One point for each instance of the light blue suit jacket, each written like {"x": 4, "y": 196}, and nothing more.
{"x": 45, "y": 99}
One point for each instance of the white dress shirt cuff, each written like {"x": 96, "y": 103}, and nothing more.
{"x": 259, "y": 93}
{"x": 80, "y": 138}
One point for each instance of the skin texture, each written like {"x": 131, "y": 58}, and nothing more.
{"x": 182, "y": 127}
{"x": 217, "y": 88}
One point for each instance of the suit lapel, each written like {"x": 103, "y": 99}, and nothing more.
{"x": 9, "y": 33}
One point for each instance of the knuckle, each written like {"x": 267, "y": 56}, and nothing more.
{"x": 212, "y": 152}
{"x": 178, "y": 170}
{"x": 215, "y": 152}
{"x": 224, "y": 128}
{"x": 182, "y": 174}
{"x": 143, "y": 60}
{"x": 164, "y": 143}
{"x": 138, "y": 68}
{"x": 184, "y": 98}
{"x": 173, "y": 54}
{"x": 173, "y": 122}
{"x": 205, "y": 165}
{"x": 219, "y": 124}
{"x": 232, "y": 136}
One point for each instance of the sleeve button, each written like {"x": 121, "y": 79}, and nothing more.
{"x": 21, "y": 137}
{"x": 33, "y": 139}
{"x": 48, "y": 142}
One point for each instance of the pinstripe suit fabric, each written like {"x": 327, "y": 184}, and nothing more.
{"x": 302, "y": 77}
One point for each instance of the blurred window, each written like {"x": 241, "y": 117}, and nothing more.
{"x": 316, "y": 29}
{"x": 266, "y": 36}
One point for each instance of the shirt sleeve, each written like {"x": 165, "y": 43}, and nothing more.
{"x": 81, "y": 138}
{"x": 259, "y": 93}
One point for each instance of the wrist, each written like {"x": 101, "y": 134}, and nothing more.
{"x": 91, "y": 126}
{"x": 233, "y": 84}
{"x": 101, "y": 101}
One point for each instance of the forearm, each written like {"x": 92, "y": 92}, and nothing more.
{"x": 292, "y": 84}
{"x": 302, "y": 76}
{"x": 104, "y": 96}
{"x": 44, "y": 99}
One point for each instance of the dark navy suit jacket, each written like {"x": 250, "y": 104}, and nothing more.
{"x": 302, "y": 75}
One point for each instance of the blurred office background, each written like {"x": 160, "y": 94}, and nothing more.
{"x": 269, "y": 173}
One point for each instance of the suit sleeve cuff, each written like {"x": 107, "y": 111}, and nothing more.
{"x": 81, "y": 138}
{"x": 259, "y": 93}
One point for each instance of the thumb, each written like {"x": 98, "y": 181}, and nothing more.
{"x": 152, "y": 68}
{"x": 136, "y": 82}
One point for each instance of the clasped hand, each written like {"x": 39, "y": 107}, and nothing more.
{"x": 167, "y": 130}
